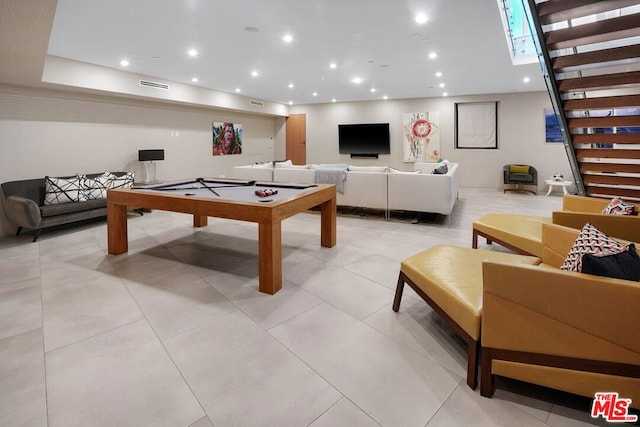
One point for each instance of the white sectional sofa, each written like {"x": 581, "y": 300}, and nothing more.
{"x": 375, "y": 187}
{"x": 424, "y": 191}
{"x": 257, "y": 172}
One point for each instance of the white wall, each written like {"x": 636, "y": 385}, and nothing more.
{"x": 56, "y": 133}
{"x": 521, "y": 137}
{"x": 46, "y": 132}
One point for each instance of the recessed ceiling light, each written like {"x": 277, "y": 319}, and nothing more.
{"x": 195, "y": 80}
{"x": 237, "y": 90}
{"x": 315, "y": 93}
{"x": 526, "y": 80}
{"x": 254, "y": 73}
{"x": 124, "y": 63}
{"x": 441, "y": 85}
{"x": 438, "y": 74}
{"x": 287, "y": 38}
{"x": 385, "y": 97}
{"x": 290, "y": 102}
{"x": 373, "y": 89}
{"x": 433, "y": 55}
{"x": 333, "y": 65}
{"x": 333, "y": 100}
{"x": 193, "y": 52}
{"x": 445, "y": 94}
{"x": 421, "y": 18}
{"x": 290, "y": 85}
{"x": 356, "y": 80}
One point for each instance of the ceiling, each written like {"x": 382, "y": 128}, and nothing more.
{"x": 375, "y": 40}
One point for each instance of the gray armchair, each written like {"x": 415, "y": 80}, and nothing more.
{"x": 520, "y": 175}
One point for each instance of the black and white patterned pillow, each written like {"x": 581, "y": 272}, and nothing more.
{"x": 590, "y": 241}
{"x": 124, "y": 181}
{"x": 63, "y": 190}
{"x": 96, "y": 187}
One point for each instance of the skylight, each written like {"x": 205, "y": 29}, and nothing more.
{"x": 516, "y": 29}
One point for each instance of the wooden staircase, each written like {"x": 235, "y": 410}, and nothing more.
{"x": 591, "y": 53}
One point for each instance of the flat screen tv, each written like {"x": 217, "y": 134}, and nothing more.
{"x": 364, "y": 139}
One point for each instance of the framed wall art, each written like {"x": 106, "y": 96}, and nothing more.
{"x": 227, "y": 138}
{"x": 476, "y": 125}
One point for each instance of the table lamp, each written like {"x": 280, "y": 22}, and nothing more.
{"x": 148, "y": 157}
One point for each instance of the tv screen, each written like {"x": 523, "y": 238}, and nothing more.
{"x": 366, "y": 138}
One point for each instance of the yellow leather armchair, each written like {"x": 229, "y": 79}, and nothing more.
{"x": 565, "y": 330}
{"x": 578, "y": 210}
{"x": 523, "y": 233}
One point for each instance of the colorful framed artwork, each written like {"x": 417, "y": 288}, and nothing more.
{"x": 227, "y": 138}
{"x": 551, "y": 126}
{"x": 421, "y": 137}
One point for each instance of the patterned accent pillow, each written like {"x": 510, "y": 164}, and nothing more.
{"x": 96, "y": 187}
{"x": 617, "y": 206}
{"x": 124, "y": 181}
{"x": 63, "y": 190}
{"x": 590, "y": 241}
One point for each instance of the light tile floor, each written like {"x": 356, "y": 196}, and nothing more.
{"x": 175, "y": 333}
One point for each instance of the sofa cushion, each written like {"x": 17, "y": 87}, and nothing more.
{"x": 521, "y": 177}
{"x": 618, "y": 207}
{"x": 59, "y": 190}
{"x": 624, "y": 265}
{"x": 590, "y": 241}
{"x": 66, "y": 208}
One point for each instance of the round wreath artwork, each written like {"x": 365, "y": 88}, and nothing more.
{"x": 421, "y": 128}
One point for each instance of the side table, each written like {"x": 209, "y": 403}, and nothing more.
{"x": 551, "y": 183}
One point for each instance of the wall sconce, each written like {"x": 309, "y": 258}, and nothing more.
{"x": 148, "y": 157}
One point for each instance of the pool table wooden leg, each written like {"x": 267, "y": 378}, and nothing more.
{"x": 328, "y": 233}
{"x": 200, "y": 220}
{"x": 270, "y": 257}
{"x": 117, "y": 238}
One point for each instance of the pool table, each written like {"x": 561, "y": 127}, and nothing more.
{"x": 232, "y": 199}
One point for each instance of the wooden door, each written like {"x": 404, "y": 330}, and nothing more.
{"x": 297, "y": 139}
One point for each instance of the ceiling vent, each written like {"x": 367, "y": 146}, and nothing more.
{"x": 154, "y": 84}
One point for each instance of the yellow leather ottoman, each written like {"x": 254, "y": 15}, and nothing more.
{"x": 520, "y": 233}
{"x": 449, "y": 279}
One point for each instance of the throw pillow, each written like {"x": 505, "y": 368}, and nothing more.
{"x": 265, "y": 165}
{"x": 625, "y": 265}
{"x": 96, "y": 187}
{"x": 393, "y": 170}
{"x": 123, "y": 181}
{"x": 282, "y": 163}
{"x": 519, "y": 169}
{"x": 441, "y": 170}
{"x": 618, "y": 207}
{"x": 368, "y": 168}
{"x": 590, "y": 241}
{"x": 58, "y": 190}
